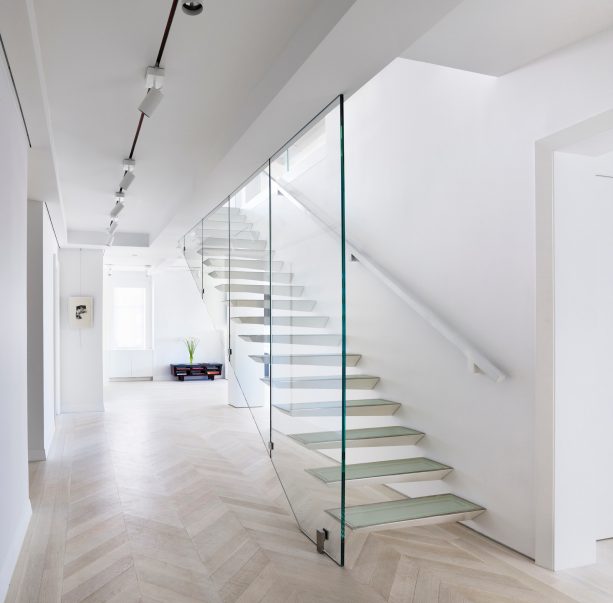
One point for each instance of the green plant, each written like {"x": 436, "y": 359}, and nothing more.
{"x": 191, "y": 343}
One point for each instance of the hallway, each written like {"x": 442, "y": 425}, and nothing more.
{"x": 169, "y": 496}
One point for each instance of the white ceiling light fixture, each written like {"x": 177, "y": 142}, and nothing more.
{"x": 192, "y": 8}
{"x": 129, "y": 164}
{"x": 120, "y": 196}
{"x": 154, "y": 77}
{"x": 127, "y": 179}
{"x": 117, "y": 209}
{"x": 151, "y": 102}
{"x": 109, "y": 243}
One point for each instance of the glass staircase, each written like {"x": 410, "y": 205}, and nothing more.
{"x": 269, "y": 262}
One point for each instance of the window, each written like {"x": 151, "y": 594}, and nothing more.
{"x": 130, "y": 317}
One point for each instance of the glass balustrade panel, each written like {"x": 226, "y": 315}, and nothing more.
{"x": 307, "y": 326}
{"x": 191, "y": 251}
{"x": 248, "y": 297}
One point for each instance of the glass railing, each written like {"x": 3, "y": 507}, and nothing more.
{"x": 269, "y": 263}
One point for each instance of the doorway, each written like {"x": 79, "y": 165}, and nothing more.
{"x": 574, "y": 343}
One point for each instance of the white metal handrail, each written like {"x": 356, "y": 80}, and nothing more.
{"x": 477, "y": 362}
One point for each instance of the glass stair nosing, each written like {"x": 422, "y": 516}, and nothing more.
{"x": 222, "y": 253}
{"x": 245, "y": 264}
{"x": 354, "y": 408}
{"x": 313, "y": 322}
{"x": 309, "y": 359}
{"x": 234, "y": 243}
{"x": 259, "y": 276}
{"x": 383, "y": 472}
{"x": 324, "y": 382}
{"x": 408, "y": 512}
{"x": 292, "y": 339}
{"x": 394, "y": 435}
{"x": 298, "y": 305}
{"x": 288, "y": 290}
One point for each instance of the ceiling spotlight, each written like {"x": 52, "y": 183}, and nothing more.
{"x": 120, "y": 196}
{"x": 127, "y": 179}
{"x": 150, "y": 102}
{"x": 117, "y": 209}
{"x": 192, "y": 8}
{"x": 129, "y": 164}
{"x": 113, "y": 227}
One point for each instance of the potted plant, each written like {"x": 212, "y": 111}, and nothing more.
{"x": 191, "y": 343}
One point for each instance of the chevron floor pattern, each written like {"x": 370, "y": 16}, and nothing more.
{"x": 169, "y": 496}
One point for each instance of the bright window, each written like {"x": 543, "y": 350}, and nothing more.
{"x": 130, "y": 317}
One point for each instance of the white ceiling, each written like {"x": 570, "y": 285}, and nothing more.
{"x": 495, "y": 37}
{"x": 238, "y": 78}
{"x": 222, "y": 69}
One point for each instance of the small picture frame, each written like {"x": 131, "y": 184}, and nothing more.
{"x": 80, "y": 312}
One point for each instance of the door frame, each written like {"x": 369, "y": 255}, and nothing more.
{"x": 545, "y": 403}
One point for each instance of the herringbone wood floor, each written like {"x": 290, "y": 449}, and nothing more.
{"x": 169, "y": 496}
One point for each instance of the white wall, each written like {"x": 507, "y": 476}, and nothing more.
{"x": 81, "y": 349}
{"x": 583, "y": 331}
{"x": 15, "y": 507}
{"x": 179, "y": 313}
{"x": 42, "y": 304}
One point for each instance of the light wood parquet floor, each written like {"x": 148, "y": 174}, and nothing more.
{"x": 169, "y": 496}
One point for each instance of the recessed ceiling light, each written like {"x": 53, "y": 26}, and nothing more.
{"x": 192, "y": 8}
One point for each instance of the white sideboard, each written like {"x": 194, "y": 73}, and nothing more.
{"x": 130, "y": 364}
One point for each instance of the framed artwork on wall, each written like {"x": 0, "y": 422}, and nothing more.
{"x": 80, "y": 312}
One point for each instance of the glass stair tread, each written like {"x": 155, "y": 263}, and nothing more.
{"x": 222, "y": 252}
{"x": 439, "y": 508}
{"x": 323, "y": 382}
{"x": 368, "y": 407}
{"x": 370, "y": 436}
{"x": 234, "y": 243}
{"x": 420, "y": 467}
{"x": 308, "y": 359}
{"x": 221, "y": 215}
{"x": 317, "y": 322}
{"x": 252, "y": 275}
{"x": 247, "y": 264}
{"x": 289, "y": 290}
{"x": 299, "y": 305}
{"x": 236, "y": 234}
{"x": 221, "y": 225}
{"x": 322, "y": 340}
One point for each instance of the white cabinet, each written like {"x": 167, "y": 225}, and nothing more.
{"x": 130, "y": 364}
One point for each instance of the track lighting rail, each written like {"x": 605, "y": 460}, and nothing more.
{"x": 113, "y": 225}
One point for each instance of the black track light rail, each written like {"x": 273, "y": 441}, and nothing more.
{"x": 171, "y": 16}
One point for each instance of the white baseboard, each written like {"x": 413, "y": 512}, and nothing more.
{"x": 36, "y": 455}
{"x": 12, "y": 553}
